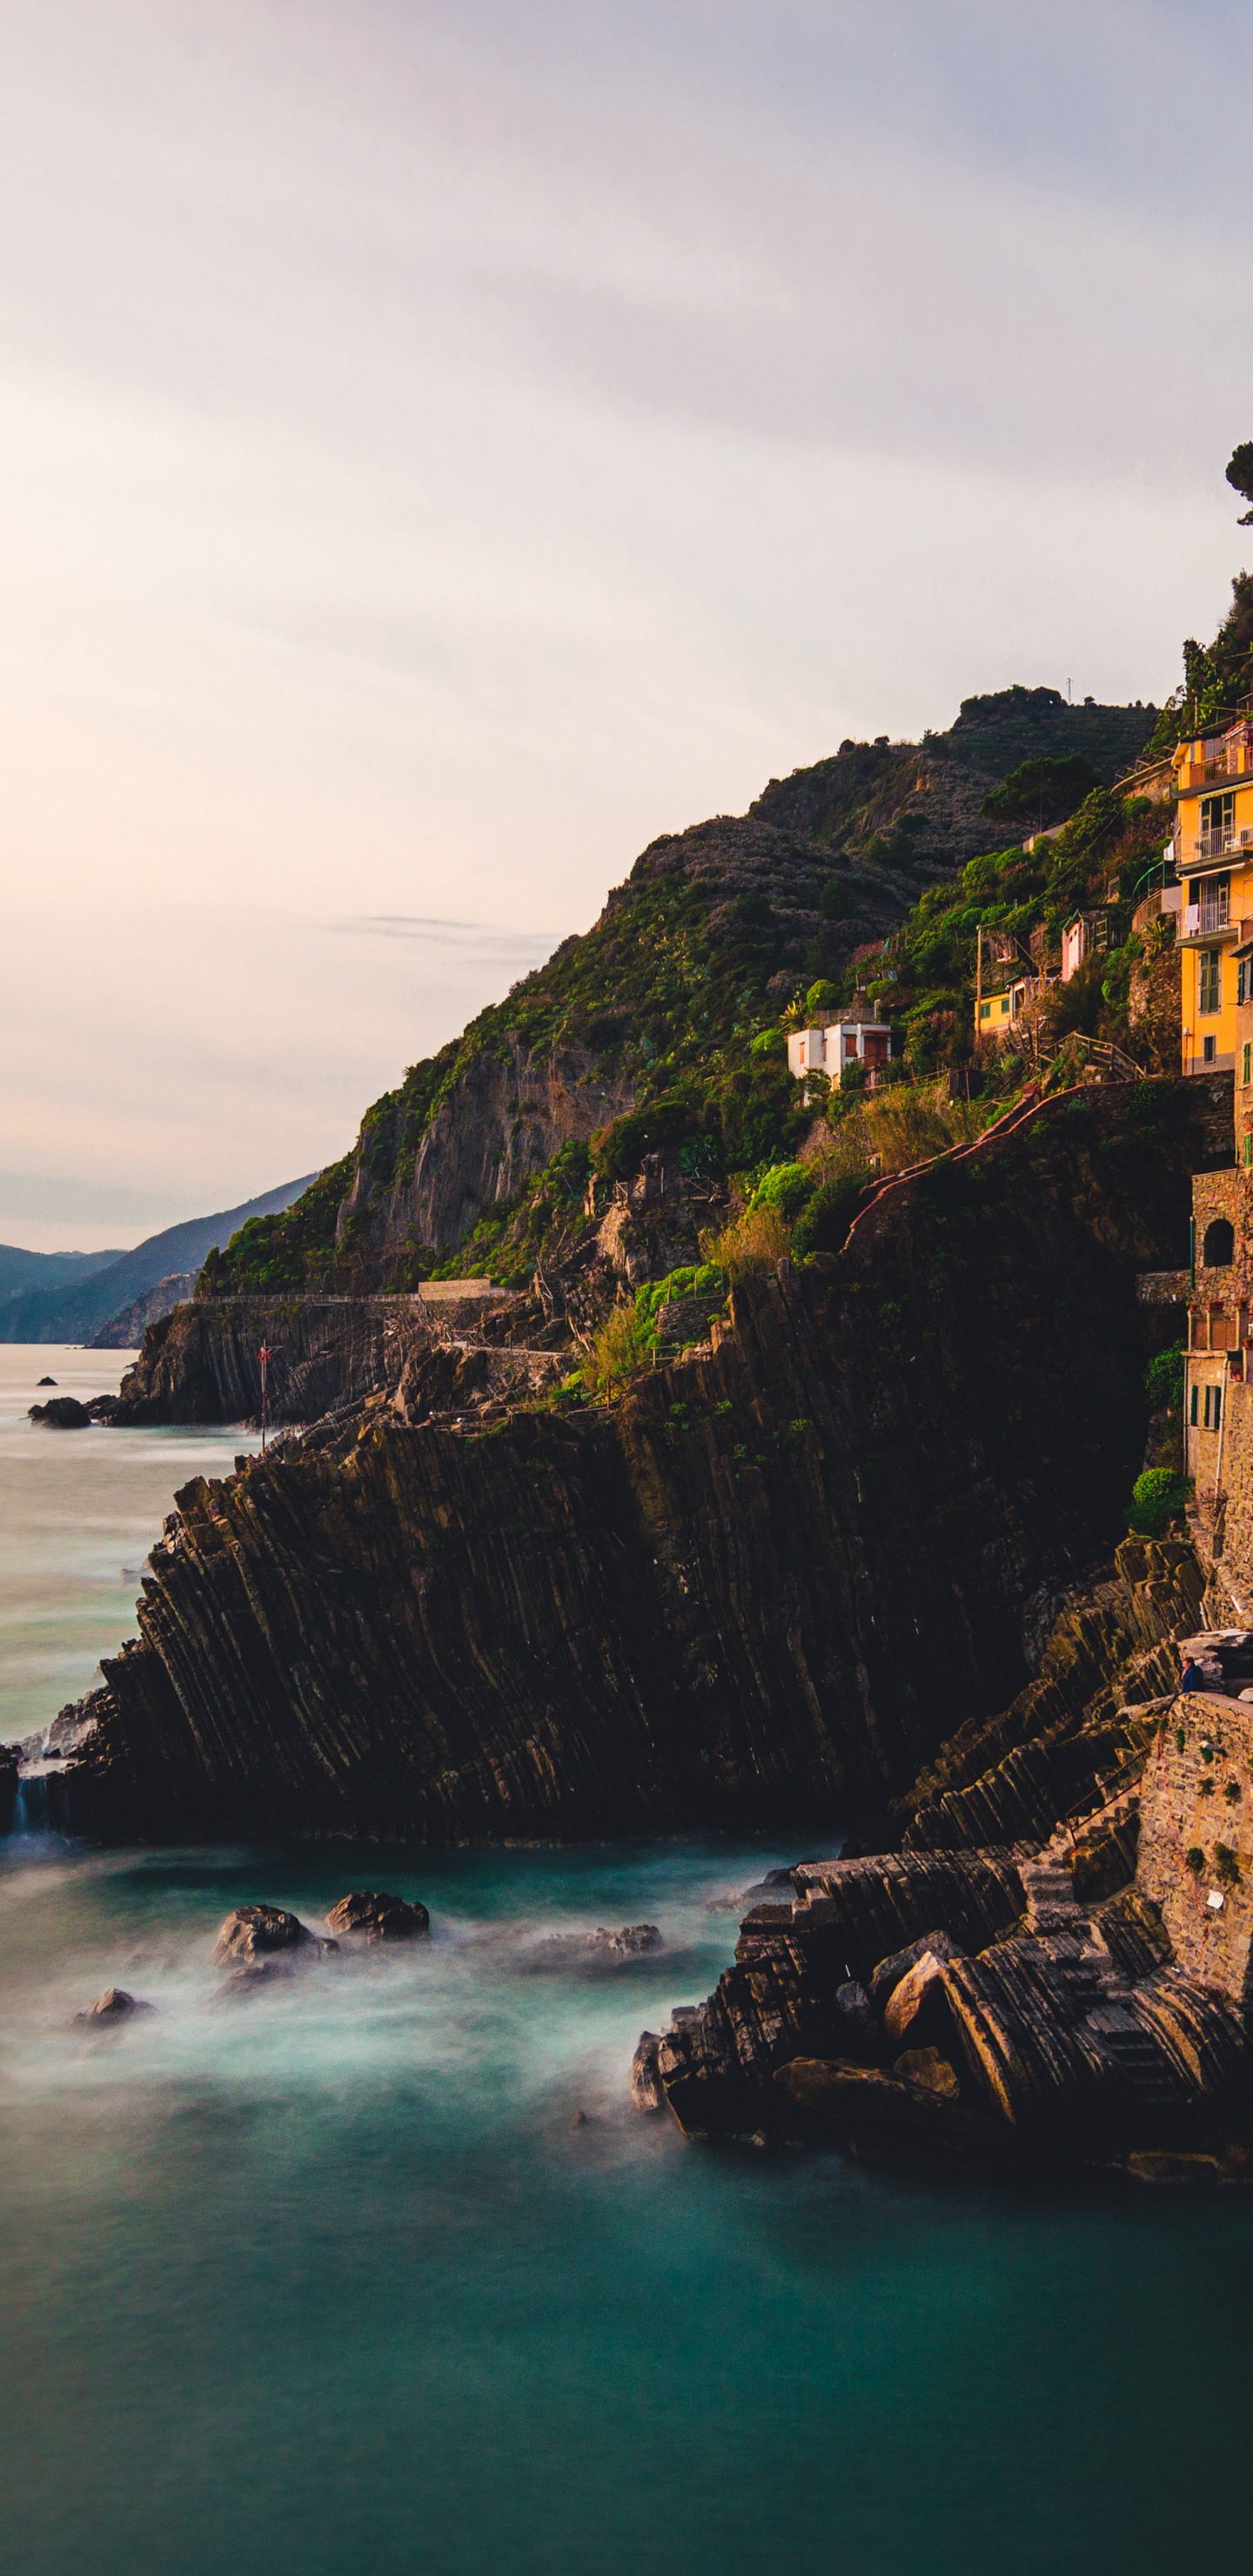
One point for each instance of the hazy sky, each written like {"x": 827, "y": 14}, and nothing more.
{"x": 444, "y": 446}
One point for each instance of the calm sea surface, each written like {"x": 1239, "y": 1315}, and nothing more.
{"x": 334, "y": 2278}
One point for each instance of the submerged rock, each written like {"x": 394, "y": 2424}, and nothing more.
{"x": 252, "y": 1930}
{"x": 559, "y": 1952}
{"x": 377, "y": 1916}
{"x": 113, "y": 2005}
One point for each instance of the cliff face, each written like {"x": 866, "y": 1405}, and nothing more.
{"x": 509, "y": 1112}
{"x": 201, "y": 1363}
{"x": 767, "y": 1586}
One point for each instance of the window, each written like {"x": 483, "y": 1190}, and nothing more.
{"x": 1005, "y": 1002}
{"x": 1248, "y": 1147}
{"x": 985, "y": 1013}
{"x": 1210, "y": 962}
{"x": 1195, "y": 1399}
{"x": 1218, "y": 1251}
{"x": 1213, "y": 1407}
{"x": 1245, "y": 1076}
{"x": 1242, "y": 989}
{"x": 1217, "y": 819}
{"x": 1209, "y": 1048}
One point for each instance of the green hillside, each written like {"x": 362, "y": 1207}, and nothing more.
{"x": 872, "y": 867}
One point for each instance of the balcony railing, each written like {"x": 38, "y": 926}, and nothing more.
{"x": 1221, "y": 845}
{"x": 1203, "y": 920}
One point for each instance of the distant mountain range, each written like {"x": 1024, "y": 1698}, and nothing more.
{"x": 68, "y": 1296}
{"x": 19, "y": 1269}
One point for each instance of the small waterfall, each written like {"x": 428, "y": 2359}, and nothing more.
{"x": 30, "y": 1806}
{"x": 40, "y": 1806}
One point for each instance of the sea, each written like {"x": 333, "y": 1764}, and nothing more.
{"x": 380, "y": 2270}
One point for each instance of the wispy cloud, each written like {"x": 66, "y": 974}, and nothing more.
{"x": 456, "y": 444}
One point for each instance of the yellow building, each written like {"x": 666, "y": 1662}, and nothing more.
{"x": 1213, "y": 853}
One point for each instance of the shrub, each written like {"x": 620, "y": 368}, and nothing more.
{"x": 703, "y": 1279}
{"x": 1226, "y": 1864}
{"x": 1158, "y": 1497}
{"x": 824, "y": 1224}
{"x": 619, "y": 1149}
{"x": 617, "y": 1356}
{"x": 1195, "y": 1860}
{"x": 822, "y": 996}
{"x": 1163, "y": 1381}
{"x": 787, "y": 1187}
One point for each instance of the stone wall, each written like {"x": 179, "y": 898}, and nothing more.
{"x": 1196, "y": 1797}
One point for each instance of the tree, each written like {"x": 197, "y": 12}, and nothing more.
{"x": 1240, "y": 477}
{"x": 1042, "y": 791}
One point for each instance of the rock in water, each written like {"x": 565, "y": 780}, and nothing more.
{"x": 632, "y": 1942}
{"x": 47, "y": 1381}
{"x": 378, "y": 1916}
{"x": 254, "y": 1929}
{"x": 61, "y": 1413}
{"x": 872, "y": 2113}
{"x": 646, "y": 2085}
{"x": 588, "y": 1953}
{"x": 113, "y": 2005}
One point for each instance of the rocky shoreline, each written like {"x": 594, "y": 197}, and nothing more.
{"x": 1081, "y": 1999}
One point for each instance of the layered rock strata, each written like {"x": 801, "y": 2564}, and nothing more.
{"x": 1086, "y": 1997}
{"x": 767, "y": 1586}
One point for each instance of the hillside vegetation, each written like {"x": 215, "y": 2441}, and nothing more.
{"x": 678, "y": 997}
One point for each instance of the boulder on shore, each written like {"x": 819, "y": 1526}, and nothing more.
{"x": 916, "y": 2011}
{"x": 253, "y": 1930}
{"x": 378, "y": 1916}
{"x": 873, "y": 2113}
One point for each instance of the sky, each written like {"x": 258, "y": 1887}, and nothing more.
{"x": 445, "y": 446}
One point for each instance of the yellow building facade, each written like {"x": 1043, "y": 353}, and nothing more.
{"x": 1213, "y": 854}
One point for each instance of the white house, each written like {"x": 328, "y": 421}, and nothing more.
{"x": 841, "y": 1042}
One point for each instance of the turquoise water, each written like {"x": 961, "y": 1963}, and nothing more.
{"x": 330, "y": 2278}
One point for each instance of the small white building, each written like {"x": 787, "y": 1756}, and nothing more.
{"x": 839, "y": 1043}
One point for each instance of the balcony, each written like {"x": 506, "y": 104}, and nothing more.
{"x": 1214, "y": 846}
{"x": 1212, "y": 921}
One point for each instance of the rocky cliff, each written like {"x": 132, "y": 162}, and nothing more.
{"x": 715, "y": 931}
{"x": 767, "y": 1586}
{"x": 125, "y": 1331}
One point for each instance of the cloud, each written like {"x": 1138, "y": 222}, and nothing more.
{"x": 453, "y": 445}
